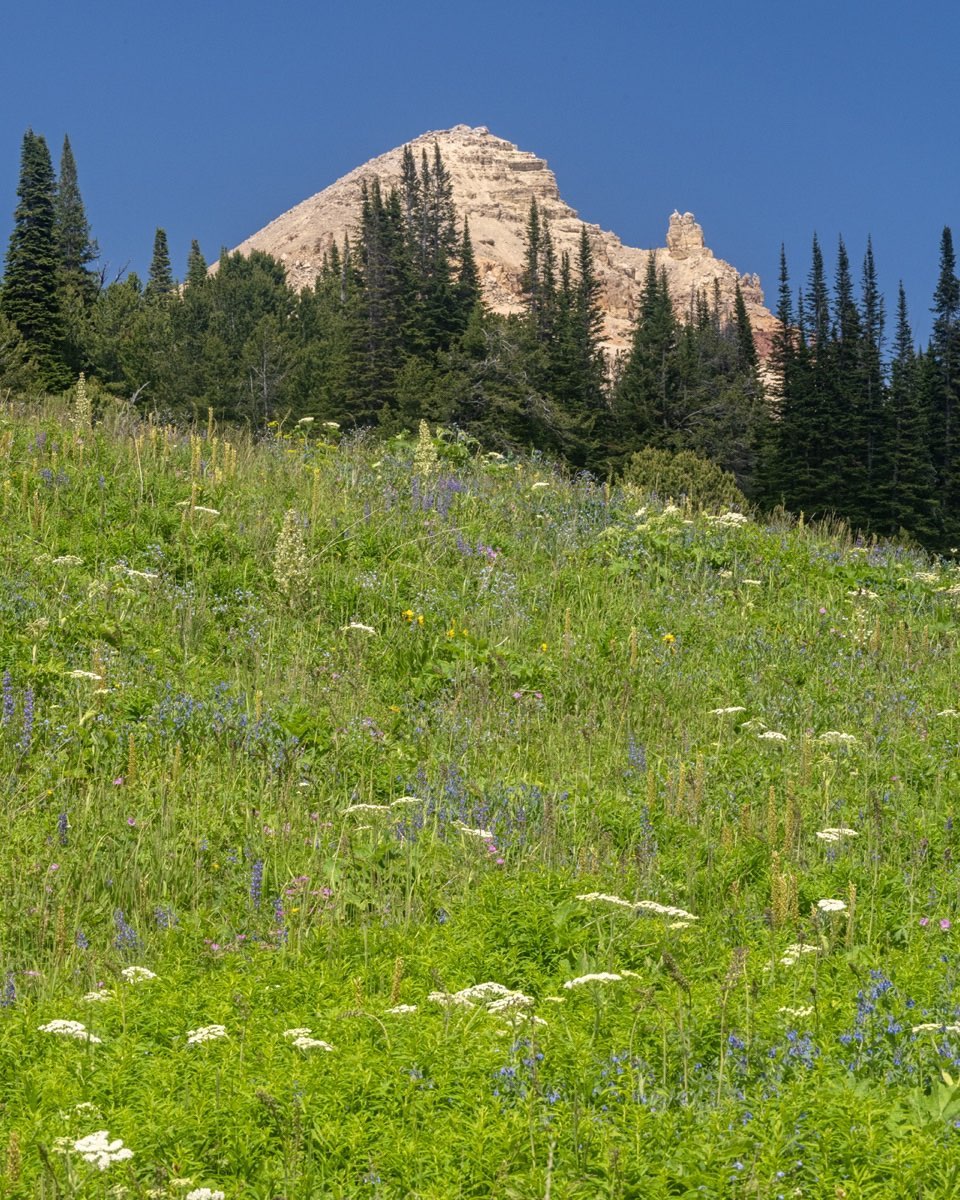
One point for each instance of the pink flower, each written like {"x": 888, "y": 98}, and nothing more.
{"x": 924, "y": 922}
{"x": 823, "y": 612}
{"x": 118, "y": 782}
{"x": 944, "y": 924}
{"x": 131, "y": 821}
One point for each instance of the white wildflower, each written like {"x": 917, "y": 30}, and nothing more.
{"x": 206, "y": 1033}
{"x": 795, "y": 951}
{"x": 594, "y": 897}
{"x": 554, "y": 999}
{"x": 205, "y": 1193}
{"x": 480, "y": 833}
{"x": 359, "y": 626}
{"x": 71, "y": 1029}
{"x": 68, "y": 560}
{"x": 831, "y": 906}
{"x": 541, "y": 483}
{"x": 771, "y": 735}
{"x": 836, "y": 835}
{"x": 506, "y": 1003}
{"x": 725, "y": 712}
{"x": 306, "y": 420}
{"x": 596, "y": 977}
{"x": 935, "y": 1027}
{"x": 665, "y": 910}
{"x": 85, "y": 675}
{"x": 862, "y": 594}
{"x": 405, "y": 800}
{"x": 336, "y": 425}
{"x": 732, "y": 518}
{"x": 449, "y": 998}
{"x": 796, "y": 1012}
{"x": 520, "y": 1018}
{"x": 97, "y": 997}
{"x": 137, "y": 974}
{"x": 202, "y": 508}
{"x": 305, "y": 1042}
{"x": 425, "y": 457}
{"x": 725, "y": 574}
{"x": 96, "y": 1148}
{"x": 291, "y": 561}
{"x": 132, "y": 574}
{"x": 753, "y": 724}
{"x": 300, "y": 1031}
{"x": 400, "y": 1009}
{"x": 483, "y": 991}
{"x": 948, "y": 712}
{"x": 355, "y": 808}
{"x": 753, "y": 582}
{"x": 834, "y": 737}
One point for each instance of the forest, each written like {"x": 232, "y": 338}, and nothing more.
{"x": 845, "y": 419}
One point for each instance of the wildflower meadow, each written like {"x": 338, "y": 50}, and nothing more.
{"x": 387, "y": 819}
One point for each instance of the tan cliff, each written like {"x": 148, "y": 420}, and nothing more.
{"x": 493, "y": 184}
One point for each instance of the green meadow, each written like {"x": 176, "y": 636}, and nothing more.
{"x": 383, "y": 818}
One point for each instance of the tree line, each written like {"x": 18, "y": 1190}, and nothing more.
{"x": 395, "y": 330}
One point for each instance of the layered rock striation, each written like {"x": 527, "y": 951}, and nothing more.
{"x": 493, "y": 184}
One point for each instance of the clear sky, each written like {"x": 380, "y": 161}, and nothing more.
{"x": 767, "y": 120}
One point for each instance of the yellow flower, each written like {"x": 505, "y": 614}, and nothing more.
{"x": 543, "y": 647}
{"x": 394, "y": 708}
{"x": 420, "y": 619}
{"x": 407, "y": 614}
{"x": 669, "y": 639}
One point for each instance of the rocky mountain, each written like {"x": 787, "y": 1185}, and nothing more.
{"x": 493, "y": 184}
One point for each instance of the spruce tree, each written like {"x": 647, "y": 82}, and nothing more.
{"x": 468, "y": 290}
{"x": 78, "y": 249}
{"x": 944, "y": 398}
{"x": 32, "y": 273}
{"x": 160, "y": 280}
{"x": 908, "y": 500}
{"x": 196, "y": 266}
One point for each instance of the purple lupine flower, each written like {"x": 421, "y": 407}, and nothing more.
{"x": 127, "y": 937}
{"x": 62, "y": 826}
{"x": 256, "y": 882}
{"x": 9, "y": 993}
{"x": 81, "y": 940}
{"x": 26, "y": 729}
{"x": 6, "y": 712}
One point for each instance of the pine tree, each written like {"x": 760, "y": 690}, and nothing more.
{"x": 30, "y": 299}
{"x": 196, "y": 266}
{"x": 77, "y": 247}
{"x": 160, "y": 280}
{"x": 908, "y": 500}
{"x": 468, "y": 290}
{"x": 944, "y": 361}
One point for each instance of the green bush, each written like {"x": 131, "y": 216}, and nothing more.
{"x": 683, "y": 476}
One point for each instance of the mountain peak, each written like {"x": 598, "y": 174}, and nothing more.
{"x": 493, "y": 184}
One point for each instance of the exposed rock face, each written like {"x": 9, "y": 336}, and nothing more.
{"x": 493, "y": 184}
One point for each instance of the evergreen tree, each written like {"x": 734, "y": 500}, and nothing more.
{"x": 908, "y": 496}
{"x": 30, "y": 298}
{"x": 944, "y": 392}
{"x": 160, "y": 280}
{"x": 468, "y": 288}
{"x": 78, "y": 249}
{"x": 196, "y": 266}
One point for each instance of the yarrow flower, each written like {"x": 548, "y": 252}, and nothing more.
{"x": 97, "y": 997}
{"x": 71, "y": 1029}
{"x": 137, "y": 974}
{"x": 935, "y": 1027}
{"x": 831, "y": 906}
{"x": 771, "y": 735}
{"x": 206, "y": 1033}
{"x": 724, "y": 712}
{"x": 205, "y": 1193}
{"x": 357, "y": 625}
{"x": 596, "y": 977}
{"x": 97, "y": 1148}
{"x": 794, "y": 952}
{"x": 480, "y": 833}
{"x": 306, "y": 1042}
{"x": 400, "y": 1009}
{"x": 796, "y": 1012}
{"x": 299, "y": 1031}
{"x": 834, "y": 737}
{"x": 836, "y": 835}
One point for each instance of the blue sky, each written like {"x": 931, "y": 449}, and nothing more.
{"x": 769, "y": 121}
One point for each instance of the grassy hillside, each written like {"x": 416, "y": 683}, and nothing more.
{"x": 322, "y": 735}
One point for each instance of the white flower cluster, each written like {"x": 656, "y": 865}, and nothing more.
{"x": 496, "y": 997}
{"x": 137, "y": 974}
{"x": 206, "y": 1033}
{"x": 831, "y": 906}
{"x": 71, "y": 1029}
{"x": 358, "y": 626}
{"x": 726, "y": 712}
{"x": 833, "y": 737}
{"x": 301, "y": 1038}
{"x": 794, "y": 951}
{"x": 205, "y": 1193}
{"x": 932, "y": 1027}
{"x": 638, "y": 906}
{"x": 836, "y": 835}
{"x": 771, "y": 735}
{"x": 479, "y": 833}
{"x": 96, "y": 1148}
{"x": 796, "y": 1012}
{"x": 729, "y": 518}
{"x": 596, "y": 977}
{"x": 400, "y": 1009}
{"x": 98, "y": 997}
